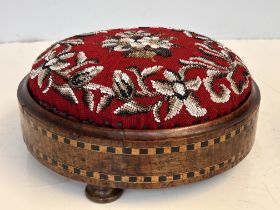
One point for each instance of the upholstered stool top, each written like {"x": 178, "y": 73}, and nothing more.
{"x": 140, "y": 78}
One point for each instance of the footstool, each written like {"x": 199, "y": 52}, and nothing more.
{"x": 145, "y": 107}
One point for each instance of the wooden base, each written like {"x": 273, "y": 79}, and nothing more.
{"x": 102, "y": 195}
{"x": 128, "y": 158}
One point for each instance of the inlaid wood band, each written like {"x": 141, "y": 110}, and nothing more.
{"x": 140, "y": 151}
{"x": 136, "y": 179}
{"x": 120, "y": 158}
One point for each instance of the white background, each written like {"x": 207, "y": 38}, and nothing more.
{"x": 33, "y": 20}
{"x": 253, "y": 184}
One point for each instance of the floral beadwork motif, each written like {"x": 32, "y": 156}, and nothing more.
{"x": 180, "y": 92}
{"x": 175, "y": 90}
{"x": 187, "y": 85}
{"x": 216, "y": 71}
{"x": 139, "y": 44}
{"x": 55, "y": 62}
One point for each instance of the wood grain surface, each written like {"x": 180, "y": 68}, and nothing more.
{"x": 127, "y": 158}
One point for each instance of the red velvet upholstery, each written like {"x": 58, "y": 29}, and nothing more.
{"x": 140, "y": 78}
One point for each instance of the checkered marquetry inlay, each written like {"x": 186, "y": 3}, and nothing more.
{"x": 185, "y": 176}
{"x": 141, "y": 151}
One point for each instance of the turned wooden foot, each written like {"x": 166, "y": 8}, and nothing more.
{"x": 102, "y": 195}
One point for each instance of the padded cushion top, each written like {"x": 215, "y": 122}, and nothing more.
{"x": 139, "y": 78}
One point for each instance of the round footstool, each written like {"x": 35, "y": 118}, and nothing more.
{"x": 138, "y": 108}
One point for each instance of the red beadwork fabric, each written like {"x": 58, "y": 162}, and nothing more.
{"x": 140, "y": 78}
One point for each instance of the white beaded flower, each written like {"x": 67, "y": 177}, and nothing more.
{"x": 155, "y": 42}
{"x": 54, "y": 61}
{"x": 139, "y": 44}
{"x": 179, "y": 92}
